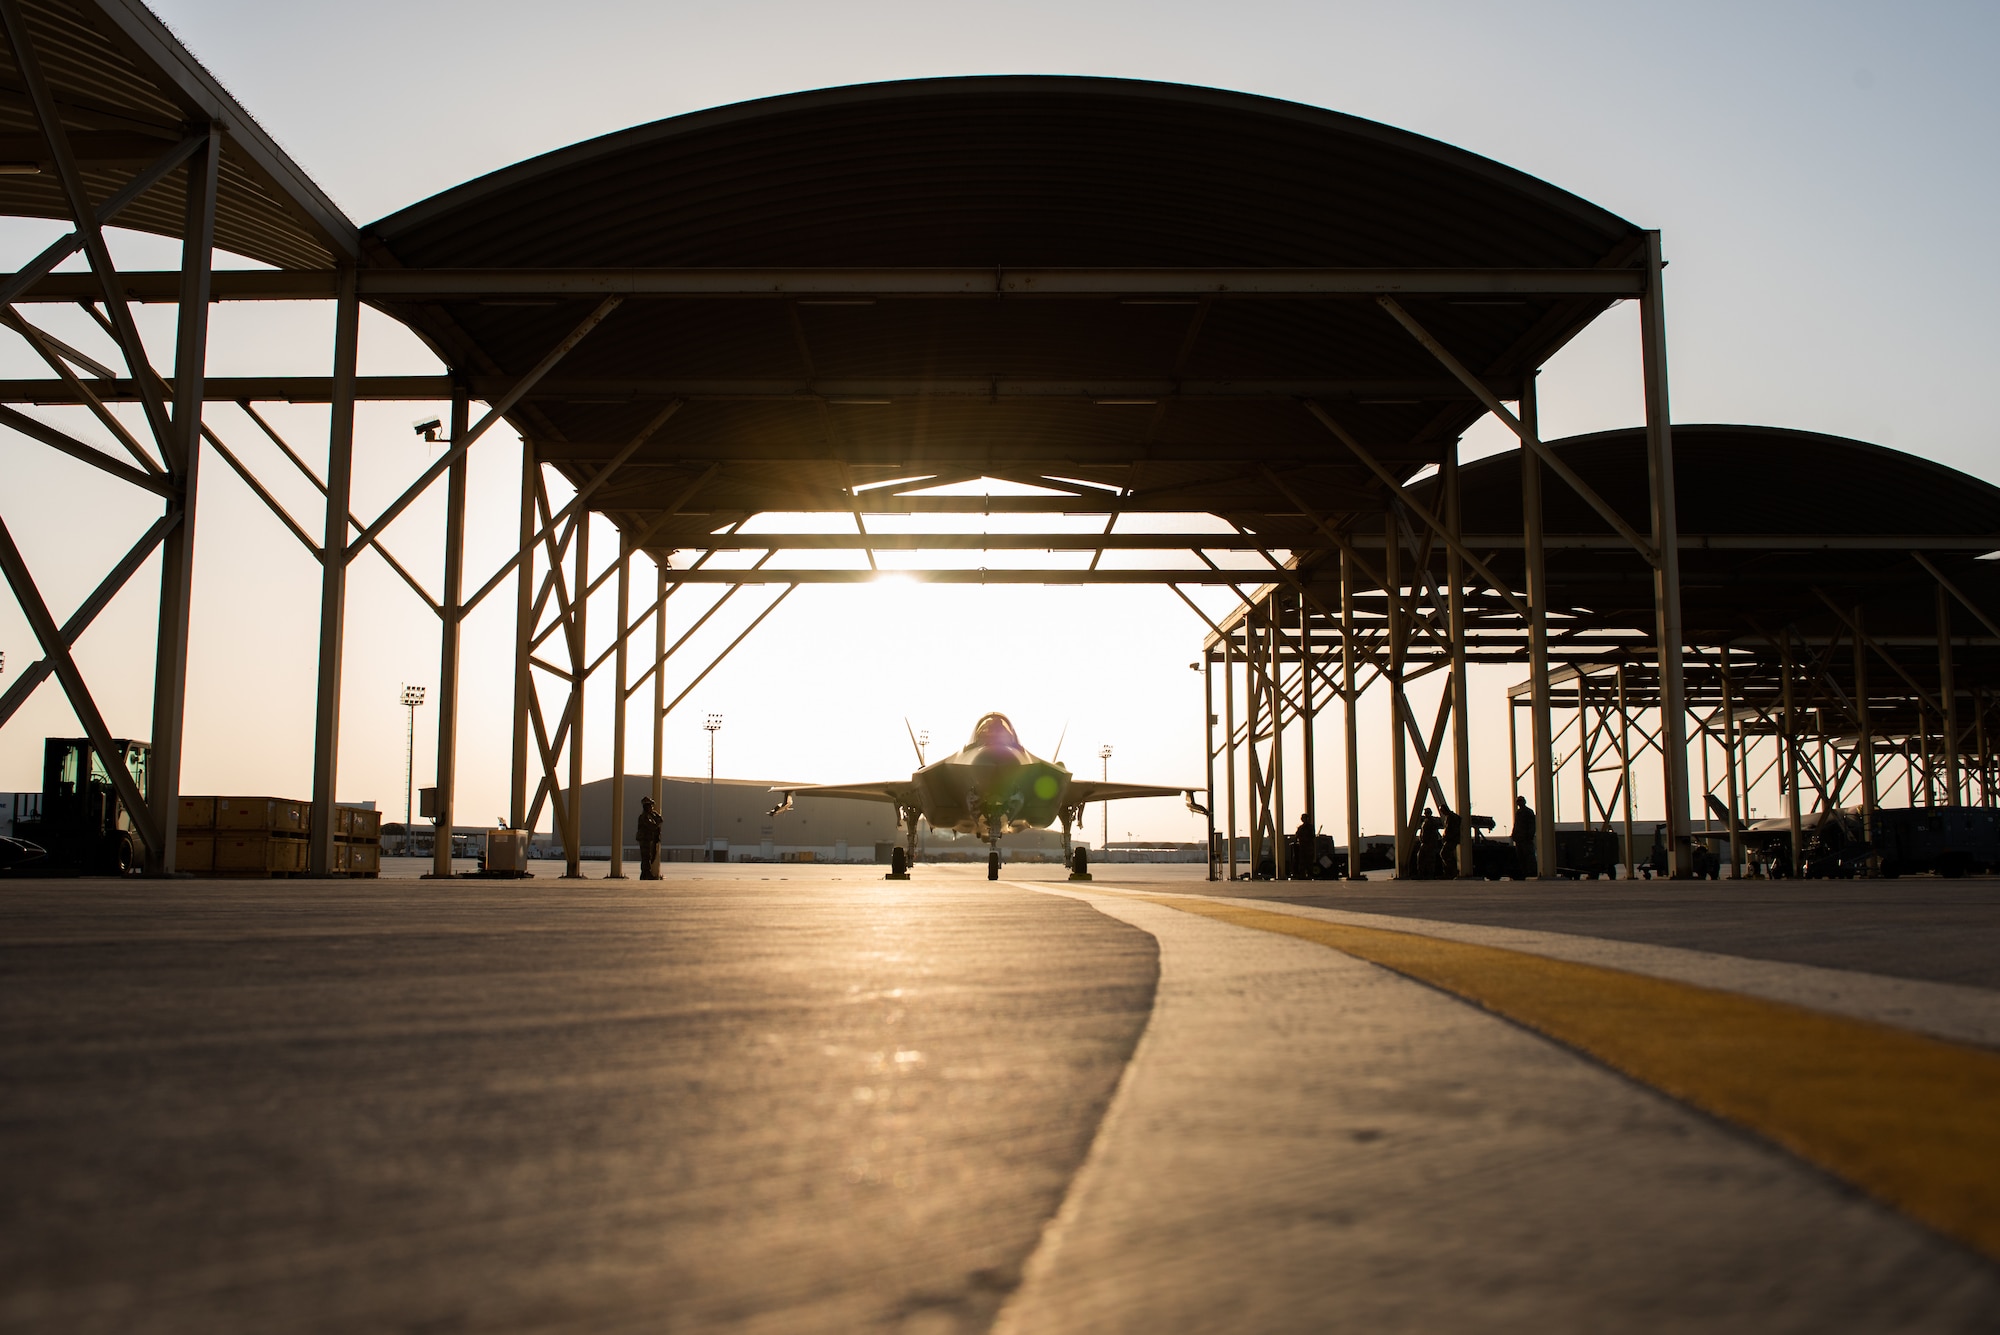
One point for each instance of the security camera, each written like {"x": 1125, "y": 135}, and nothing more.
{"x": 428, "y": 427}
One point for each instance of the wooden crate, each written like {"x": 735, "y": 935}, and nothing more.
{"x": 194, "y": 852}
{"x": 506, "y": 850}
{"x": 358, "y": 824}
{"x": 197, "y": 813}
{"x": 357, "y": 858}
{"x": 275, "y": 815}
{"x": 259, "y": 851}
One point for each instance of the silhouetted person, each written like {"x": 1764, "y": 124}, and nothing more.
{"x": 649, "y": 840}
{"x": 1430, "y": 852}
{"x": 1454, "y": 829}
{"x": 1526, "y": 863}
{"x": 1304, "y": 864}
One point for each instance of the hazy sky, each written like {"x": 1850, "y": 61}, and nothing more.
{"x": 1824, "y": 175}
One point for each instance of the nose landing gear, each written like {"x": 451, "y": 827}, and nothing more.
{"x": 993, "y": 865}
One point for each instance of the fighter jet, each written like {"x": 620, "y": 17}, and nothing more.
{"x": 994, "y": 787}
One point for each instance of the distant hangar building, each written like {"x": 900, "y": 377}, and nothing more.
{"x": 831, "y": 829}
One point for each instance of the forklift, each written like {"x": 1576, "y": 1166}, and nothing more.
{"x": 84, "y": 828}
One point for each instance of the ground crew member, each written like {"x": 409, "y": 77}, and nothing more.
{"x": 1526, "y": 864}
{"x": 649, "y": 840}
{"x": 1430, "y": 851}
{"x": 1305, "y": 865}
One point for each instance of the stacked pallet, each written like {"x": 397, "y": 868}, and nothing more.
{"x": 268, "y": 836}
{"x": 243, "y": 836}
{"x": 357, "y": 841}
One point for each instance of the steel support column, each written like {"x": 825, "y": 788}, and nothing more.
{"x": 1276, "y": 611}
{"x": 1979, "y": 746}
{"x": 1461, "y": 726}
{"x": 524, "y": 633}
{"x": 1584, "y": 792}
{"x": 1791, "y": 767}
{"x": 1208, "y": 749}
{"x": 620, "y": 669}
{"x": 1229, "y": 740}
{"x": 1667, "y": 570}
{"x": 1258, "y": 796}
{"x": 1625, "y": 776}
{"x": 1308, "y": 717}
{"x": 1350, "y": 695}
{"x": 1729, "y": 772}
{"x": 452, "y": 618}
{"x": 1947, "y": 696}
{"x": 333, "y": 573}
{"x": 579, "y": 642}
{"x": 659, "y": 714}
{"x": 1541, "y": 732}
{"x": 183, "y": 464}
{"x": 1864, "y": 741}
{"x": 1399, "y": 761}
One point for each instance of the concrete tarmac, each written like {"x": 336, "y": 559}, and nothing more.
{"x": 777, "y": 1098}
{"x": 727, "y": 1102}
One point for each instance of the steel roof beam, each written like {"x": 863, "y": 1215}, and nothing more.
{"x": 1031, "y": 542}
{"x": 794, "y": 283}
{"x": 1102, "y": 575}
{"x": 319, "y": 389}
{"x": 1760, "y": 542}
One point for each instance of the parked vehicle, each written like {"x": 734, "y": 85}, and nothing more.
{"x": 1950, "y": 841}
{"x": 84, "y": 827}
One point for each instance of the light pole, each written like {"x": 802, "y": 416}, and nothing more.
{"x": 712, "y": 725}
{"x": 1104, "y": 754}
{"x": 412, "y": 697}
{"x": 923, "y": 747}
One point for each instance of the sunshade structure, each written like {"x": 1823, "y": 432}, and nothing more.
{"x": 106, "y": 119}
{"x": 1138, "y": 297}
{"x": 1837, "y": 606}
{"x": 1128, "y": 284}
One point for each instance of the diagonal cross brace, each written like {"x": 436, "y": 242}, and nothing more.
{"x": 1528, "y": 438}
{"x": 76, "y": 449}
{"x": 56, "y": 651}
{"x": 79, "y": 621}
{"x": 58, "y": 355}
{"x": 64, "y": 247}
{"x": 717, "y": 661}
{"x": 514, "y": 395}
{"x": 583, "y": 494}
{"x": 382, "y": 551}
{"x": 1880, "y": 652}
{"x": 1374, "y": 465}
{"x": 1956, "y": 592}
{"x": 77, "y": 195}
{"x": 1425, "y": 621}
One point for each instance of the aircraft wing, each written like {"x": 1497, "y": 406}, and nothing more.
{"x": 899, "y": 792}
{"x": 1084, "y": 791}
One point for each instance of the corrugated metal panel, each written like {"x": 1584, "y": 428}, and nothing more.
{"x": 127, "y": 91}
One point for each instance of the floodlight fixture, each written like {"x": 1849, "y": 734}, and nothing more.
{"x": 413, "y": 696}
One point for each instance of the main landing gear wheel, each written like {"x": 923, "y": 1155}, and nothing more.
{"x": 993, "y": 865}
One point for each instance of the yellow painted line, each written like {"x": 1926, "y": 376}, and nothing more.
{"x": 1913, "y": 1121}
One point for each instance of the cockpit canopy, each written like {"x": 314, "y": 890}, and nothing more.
{"x": 995, "y": 732}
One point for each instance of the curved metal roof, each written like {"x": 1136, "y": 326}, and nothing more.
{"x": 1018, "y": 170}
{"x": 1734, "y": 485}
{"x": 1744, "y": 479}
{"x": 128, "y": 91}
{"x": 990, "y": 173}
{"x": 1779, "y": 528}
